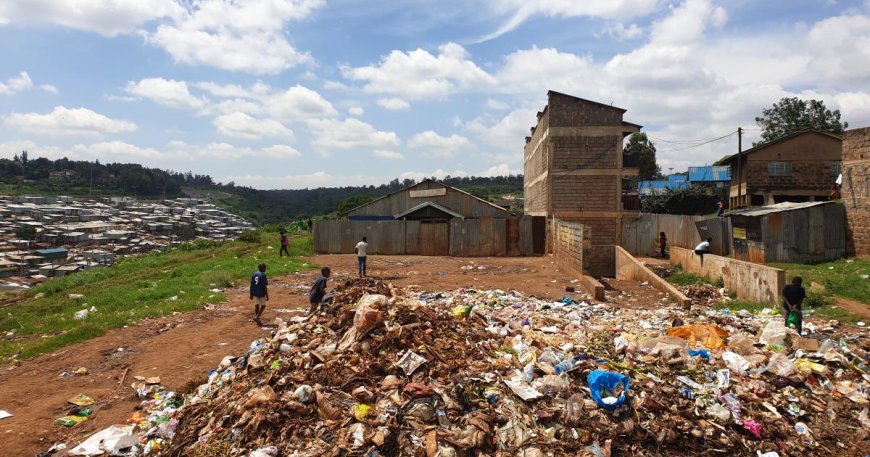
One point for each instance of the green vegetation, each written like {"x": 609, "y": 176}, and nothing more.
{"x": 691, "y": 200}
{"x": 845, "y": 278}
{"x": 153, "y": 285}
{"x": 684, "y": 278}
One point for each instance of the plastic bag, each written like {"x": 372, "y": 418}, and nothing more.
{"x": 736, "y": 362}
{"x": 614, "y": 386}
{"x": 774, "y": 333}
{"x": 711, "y": 336}
{"x": 793, "y": 320}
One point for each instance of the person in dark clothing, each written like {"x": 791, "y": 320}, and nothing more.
{"x": 259, "y": 292}
{"x": 318, "y": 290}
{"x": 310, "y": 225}
{"x": 720, "y": 207}
{"x": 284, "y": 243}
{"x": 792, "y": 297}
{"x": 663, "y": 242}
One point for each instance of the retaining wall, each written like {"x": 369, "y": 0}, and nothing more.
{"x": 629, "y": 268}
{"x": 750, "y": 281}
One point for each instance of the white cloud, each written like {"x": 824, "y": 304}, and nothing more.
{"x": 505, "y": 133}
{"x": 223, "y": 90}
{"x": 499, "y": 170}
{"x": 621, "y": 32}
{"x": 16, "y": 84}
{"x": 419, "y": 75}
{"x": 393, "y": 103}
{"x": 356, "y": 111}
{"x": 167, "y": 92}
{"x": 298, "y": 103}
{"x": 437, "y": 174}
{"x": 840, "y": 47}
{"x": 435, "y": 145}
{"x": 303, "y": 181}
{"x": 281, "y": 151}
{"x": 389, "y": 155}
{"x": 66, "y": 121}
{"x": 241, "y": 125}
{"x": 231, "y": 106}
{"x": 535, "y": 71}
{"x": 496, "y": 105}
{"x": 350, "y": 134}
{"x": 115, "y": 149}
{"x": 237, "y": 36}
{"x": 48, "y": 88}
{"x": 107, "y": 18}
{"x": 521, "y": 10}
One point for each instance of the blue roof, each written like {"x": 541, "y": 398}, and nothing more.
{"x": 678, "y": 178}
{"x": 52, "y": 251}
{"x": 710, "y": 173}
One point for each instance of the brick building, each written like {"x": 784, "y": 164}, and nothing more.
{"x": 574, "y": 170}
{"x": 800, "y": 167}
{"x": 856, "y": 190}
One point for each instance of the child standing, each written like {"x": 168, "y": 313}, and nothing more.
{"x": 259, "y": 292}
{"x": 284, "y": 242}
{"x": 318, "y": 290}
{"x": 663, "y": 242}
{"x": 792, "y": 296}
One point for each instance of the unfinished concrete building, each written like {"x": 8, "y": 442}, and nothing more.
{"x": 574, "y": 170}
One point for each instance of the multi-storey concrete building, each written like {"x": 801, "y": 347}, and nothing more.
{"x": 856, "y": 190}
{"x": 574, "y": 170}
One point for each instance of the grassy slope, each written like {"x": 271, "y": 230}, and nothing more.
{"x": 134, "y": 289}
{"x": 840, "y": 277}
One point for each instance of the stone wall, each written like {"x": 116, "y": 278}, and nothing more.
{"x": 856, "y": 190}
{"x": 750, "y": 281}
{"x": 589, "y": 193}
{"x": 806, "y": 175}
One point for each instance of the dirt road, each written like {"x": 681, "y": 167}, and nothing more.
{"x": 181, "y": 348}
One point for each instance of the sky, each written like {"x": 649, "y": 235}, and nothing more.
{"x": 280, "y": 94}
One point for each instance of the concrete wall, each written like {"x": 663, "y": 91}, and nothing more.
{"x": 629, "y": 268}
{"x": 856, "y": 190}
{"x": 568, "y": 246}
{"x": 750, "y": 281}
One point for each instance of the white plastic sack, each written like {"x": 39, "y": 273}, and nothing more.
{"x": 107, "y": 441}
{"x": 774, "y": 333}
{"x": 735, "y": 362}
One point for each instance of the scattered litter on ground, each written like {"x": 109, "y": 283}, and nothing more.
{"x": 384, "y": 371}
{"x": 4, "y": 414}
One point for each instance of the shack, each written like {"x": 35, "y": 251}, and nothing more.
{"x": 431, "y": 218}
{"x": 808, "y": 232}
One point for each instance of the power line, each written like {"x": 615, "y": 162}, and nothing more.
{"x": 699, "y": 144}
{"x": 698, "y": 141}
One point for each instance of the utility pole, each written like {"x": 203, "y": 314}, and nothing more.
{"x": 739, "y": 168}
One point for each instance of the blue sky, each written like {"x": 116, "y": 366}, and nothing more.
{"x": 307, "y": 93}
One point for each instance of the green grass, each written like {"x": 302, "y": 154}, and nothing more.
{"x": 153, "y": 285}
{"x": 840, "y": 277}
{"x": 824, "y": 308}
{"x": 684, "y": 278}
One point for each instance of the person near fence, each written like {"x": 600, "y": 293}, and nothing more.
{"x": 317, "y": 295}
{"x": 310, "y": 224}
{"x": 703, "y": 248}
{"x": 663, "y": 242}
{"x": 792, "y": 296}
{"x": 361, "y": 256}
{"x": 259, "y": 292}
{"x": 284, "y": 243}
{"x": 720, "y": 207}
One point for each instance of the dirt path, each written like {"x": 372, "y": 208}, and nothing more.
{"x": 857, "y": 308}
{"x": 181, "y": 348}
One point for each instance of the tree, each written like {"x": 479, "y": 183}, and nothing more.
{"x": 25, "y": 232}
{"x": 792, "y": 114}
{"x": 643, "y": 152}
{"x": 692, "y": 200}
{"x": 352, "y": 202}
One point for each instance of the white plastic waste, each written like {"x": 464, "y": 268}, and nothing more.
{"x": 81, "y": 315}
{"x": 110, "y": 441}
{"x": 735, "y": 362}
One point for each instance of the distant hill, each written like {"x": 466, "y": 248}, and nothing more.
{"x": 22, "y": 175}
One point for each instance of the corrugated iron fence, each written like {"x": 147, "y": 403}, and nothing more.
{"x": 481, "y": 237}
{"x": 641, "y": 236}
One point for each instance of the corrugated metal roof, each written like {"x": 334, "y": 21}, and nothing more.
{"x": 709, "y": 173}
{"x": 777, "y": 208}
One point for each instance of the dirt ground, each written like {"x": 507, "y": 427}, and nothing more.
{"x": 180, "y": 349}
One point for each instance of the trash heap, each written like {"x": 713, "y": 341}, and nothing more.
{"x": 389, "y": 372}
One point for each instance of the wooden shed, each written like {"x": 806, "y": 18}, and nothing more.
{"x": 788, "y": 232}
{"x": 430, "y": 197}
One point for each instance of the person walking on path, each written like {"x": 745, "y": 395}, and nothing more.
{"x": 361, "y": 256}
{"x": 318, "y": 290}
{"x": 792, "y": 296}
{"x": 259, "y": 292}
{"x": 663, "y": 242}
{"x": 284, "y": 243}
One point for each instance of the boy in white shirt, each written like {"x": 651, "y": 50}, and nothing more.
{"x": 361, "y": 256}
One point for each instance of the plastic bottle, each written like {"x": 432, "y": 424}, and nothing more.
{"x": 574, "y": 409}
{"x": 443, "y": 421}
{"x": 568, "y": 364}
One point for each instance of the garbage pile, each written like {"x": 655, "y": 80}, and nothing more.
{"x": 388, "y": 372}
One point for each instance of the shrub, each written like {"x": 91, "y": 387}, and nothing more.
{"x": 219, "y": 279}
{"x": 817, "y": 298}
{"x": 249, "y": 236}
